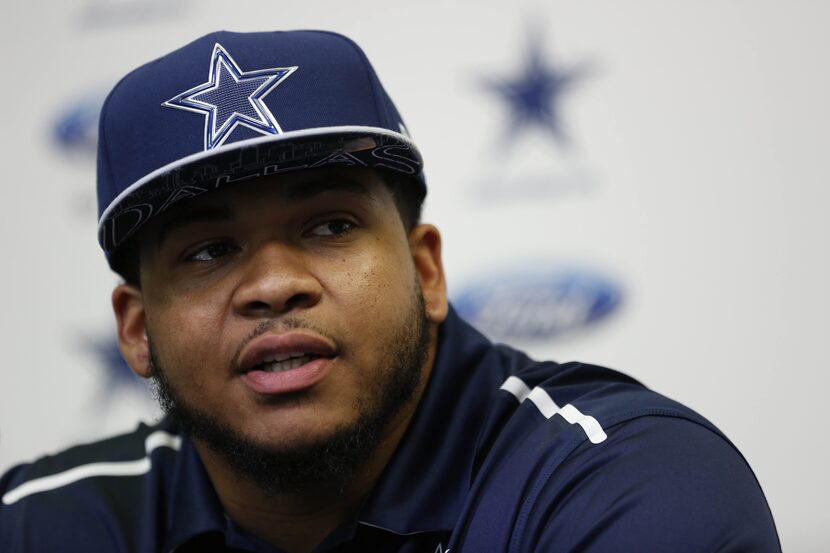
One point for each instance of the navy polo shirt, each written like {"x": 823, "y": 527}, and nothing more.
{"x": 504, "y": 454}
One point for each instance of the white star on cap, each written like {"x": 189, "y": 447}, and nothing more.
{"x": 231, "y": 98}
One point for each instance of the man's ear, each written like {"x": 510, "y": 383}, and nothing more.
{"x": 425, "y": 244}
{"x": 128, "y": 305}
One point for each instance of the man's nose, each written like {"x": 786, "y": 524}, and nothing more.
{"x": 276, "y": 279}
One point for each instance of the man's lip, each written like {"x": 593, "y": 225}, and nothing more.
{"x": 296, "y": 341}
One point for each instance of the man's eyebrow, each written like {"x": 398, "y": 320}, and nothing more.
{"x": 309, "y": 189}
{"x": 206, "y": 214}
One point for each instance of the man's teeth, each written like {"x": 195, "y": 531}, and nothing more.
{"x": 285, "y": 362}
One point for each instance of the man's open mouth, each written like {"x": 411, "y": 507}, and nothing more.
{"x": 285, "y": 362}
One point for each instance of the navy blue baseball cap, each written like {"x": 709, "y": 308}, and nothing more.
{"x": 230, "y": 107}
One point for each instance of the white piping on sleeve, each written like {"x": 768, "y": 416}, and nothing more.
{"x": 542, "y": 400}
{"x": 589, "y": 424}
{"x": 154, "y": 441}
{"x": 517, "y": 387}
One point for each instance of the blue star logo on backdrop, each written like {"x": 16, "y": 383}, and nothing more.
{"x": 119, "y": 378}
{"x": 533, "y": 96}
{"x": 232, "y": 97}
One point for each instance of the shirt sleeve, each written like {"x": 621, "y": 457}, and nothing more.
{"x": 10, "y": 517}
{"x": 55, "y": 520}
{"x": 659, "y": 484}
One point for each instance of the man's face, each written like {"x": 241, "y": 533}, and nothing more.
{"x": 286, "y": 311}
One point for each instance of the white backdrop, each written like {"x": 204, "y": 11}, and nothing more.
{"x": 694, "y": 178}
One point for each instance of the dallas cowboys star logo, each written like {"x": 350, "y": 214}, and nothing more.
{"x": 533, "y": 97}
{"x": 232, "y": 97}
{"x": 118, "y": 375}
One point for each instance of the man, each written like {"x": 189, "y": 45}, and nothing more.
{"x": 261, "y": 198}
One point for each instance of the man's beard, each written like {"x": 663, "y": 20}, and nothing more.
{"x": 330, "y": 462}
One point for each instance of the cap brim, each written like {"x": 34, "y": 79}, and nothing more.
{"x": 354, "y": 146}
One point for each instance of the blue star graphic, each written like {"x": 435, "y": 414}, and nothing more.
{"x": 232, "y": 97}
{"x": 118, "y": 377}
{"x": 533, "y": 96}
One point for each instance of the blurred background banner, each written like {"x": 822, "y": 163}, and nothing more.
{"x": 637, "y": 184}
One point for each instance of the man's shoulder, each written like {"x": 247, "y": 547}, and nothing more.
{"x": 124, "y": 454}
{"x": 576, "y": 453}
{"x": 555, "y": 414}
{"x": 575, "y": 401}
{"x": 85, "y": 484}
{"x": 529, "y": 410}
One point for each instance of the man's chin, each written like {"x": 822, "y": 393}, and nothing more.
{"x": 292, "y": 429}
{"x": 284, "y": 464}
{"x": 274, "y": 442}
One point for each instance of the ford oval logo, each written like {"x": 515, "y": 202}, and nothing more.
{"x": 76, "y": 129}
{"x": 537, "y": 305}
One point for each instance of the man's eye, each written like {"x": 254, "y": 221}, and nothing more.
{"x": 336, "y": 227}
{"x": 212, "y": 251}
